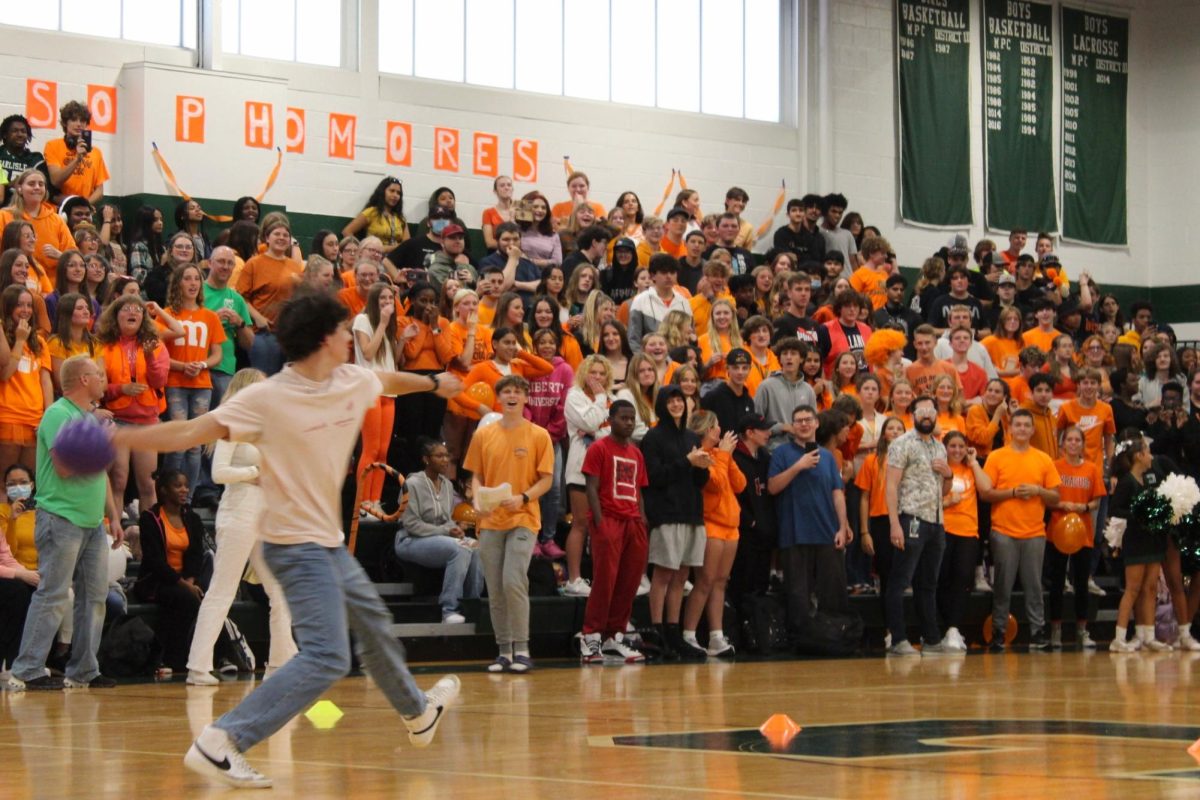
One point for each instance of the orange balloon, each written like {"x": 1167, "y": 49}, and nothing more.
{"x": 1010, "y": 630}
{"x": 464, "y": 514}
{"x": 1069, "y": 534}
{"x": 482, "y": 393}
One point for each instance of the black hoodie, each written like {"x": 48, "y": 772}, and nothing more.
{"x": 673, "y": 496}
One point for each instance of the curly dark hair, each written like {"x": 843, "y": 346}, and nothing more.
{"x": 305, "y": 321}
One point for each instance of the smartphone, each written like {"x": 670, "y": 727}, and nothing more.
{"x": 87, "y": 139}
{"x": 810, "y": 447}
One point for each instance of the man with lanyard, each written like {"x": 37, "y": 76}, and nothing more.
{"x": 917, "y": 477}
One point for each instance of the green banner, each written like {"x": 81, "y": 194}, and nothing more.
{"x": 1018, "y": 78}
{"x": 1095, "y": 81}
{"x": 932, "y": 63}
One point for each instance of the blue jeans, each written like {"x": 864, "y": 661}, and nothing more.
{"x": 551, "y": 501}
{"x": 330, "y": 597}
{"x": 463, "y": 576}
{"x": 917, "y": 565}
{"x": 185, "y": 404}
{"x": 265, "y": 353}
{"x": 67, "y": 555}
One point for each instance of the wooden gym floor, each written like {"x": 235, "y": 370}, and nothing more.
{"x": 1082, "y": 725}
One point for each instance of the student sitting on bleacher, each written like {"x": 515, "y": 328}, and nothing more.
{"x": 430, "y": 538}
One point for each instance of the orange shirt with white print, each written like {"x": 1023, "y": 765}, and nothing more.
{"x": 201, "y": 330}
{"x": 1095, "y": 422}
{"x": 872, "y": 283}
{"x": 961, "y": 518}
{"x": 22, "y": 400}
{"x": 457, "y": 333}
{"x": 1081, "y": 483}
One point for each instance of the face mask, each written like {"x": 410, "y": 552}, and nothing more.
{"x": 22, "y": 492}
{"x": 439, "y": 225}
{"x": 816, "y": 283}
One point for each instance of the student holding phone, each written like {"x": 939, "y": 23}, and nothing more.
{"x": 76, "y": 165}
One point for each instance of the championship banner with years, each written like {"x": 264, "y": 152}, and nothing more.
{"x": 1095, "y": 81}
{"x": 932, "y": 64}
{"x": 1018, "y": 62}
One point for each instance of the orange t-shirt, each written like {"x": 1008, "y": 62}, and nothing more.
{"x": 1080, "y": 484}
{"x": 951, "y": 422}
{"x": 922, "y": 377}
{"x": 981, "y": 431}
{"x": 962, "y": 518}
{"x": 1019, "y": 390}
{"x": 90, "y": 172}
{"x": 872, "y": 283}
{"x": 202, "y": 329}
{"x": 717, "y": 371}
{"x": 21, "y": 399}
{"x": 873, "y": 480}
{"x": 759, "y": 371}
{"x": 672, "y": 249}
{"x": 702, "y": 309}
{"x": 1095, "y": 422}
{"x": 486, "y": 313}
{"x": 456, "y": 333}
{"x": 518, "y": 457}
{"x": 560, "y": 212}
{"x": 176, "y": 543}
{"x": 1008, "y": 468}
{"x": 427, "y": 351}
{"x": 1036, "y": 337}
{"x": 266, "y": 282}
{"x": 351, "y": 299}
{"x": 48, "y": 228}
{"x": 1004, "y": 354}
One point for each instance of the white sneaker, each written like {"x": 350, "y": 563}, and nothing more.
{"x": 422, "y": 727}
{"x": 955, "y": 641}
{"x": 1086, "y": 641}
{"x": 215, "y": 756}
{"x": 453, "y": 618}
{"x": 197, "y": 678}
{"x": 577, "y": 588}
{"x": 644, "y": 586}
{"x": 616, "y": 649}
{"x": 1095, "y": 588}
{"x": 903, "y": 648}
{"x": 687, "y": 588}
{"x": 1156, "y": 646}
{"x": 1122, "y": 645}
{"x": 887, "y": 641}
{"x": 1186, "y": 642}
{"x": 1069, "y": 588}
{"x": 981, "y": 583}
{"x": 1056, "y": 635}
{"x": 589, "y": 649}
{"x": 719, "y": 647}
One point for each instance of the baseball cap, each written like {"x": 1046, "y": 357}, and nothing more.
{"x": 453, "y": 230}
{"x": 753, "y": 422}
{"x": 737, "y": 356}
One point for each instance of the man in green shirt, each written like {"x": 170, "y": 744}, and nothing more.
{"x": 69, "y": 530}
{"x": 235, "y": 315}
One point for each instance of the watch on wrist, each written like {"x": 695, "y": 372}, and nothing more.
{"x": 525, "y": 497}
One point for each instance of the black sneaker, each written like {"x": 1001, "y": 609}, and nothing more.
{"x": 1039, "y": 639}
{"x": 997, "y": 643}
{"x": 42, "y": 683}
{"x": 98, "y": 682}
{"x": 691, "y": 652}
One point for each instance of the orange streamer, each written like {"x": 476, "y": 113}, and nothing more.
{"x": 658, "y": 210}
{"x": 169, "y": 175}
{"x": 766, "y": 226}
{"x": 567, "y": 168}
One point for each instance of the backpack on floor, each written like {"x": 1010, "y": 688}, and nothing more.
{"x": 764, "y": 624}
{"x": 829, "y": 633}
{"x": 235, "y": 647}
{"x": 129, "y": 649}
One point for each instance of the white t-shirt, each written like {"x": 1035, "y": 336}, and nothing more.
{"x": 385, "y": 356}
{"x": 306, "y": 432}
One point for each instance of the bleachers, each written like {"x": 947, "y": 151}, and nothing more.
{"x": 410, "y": 592}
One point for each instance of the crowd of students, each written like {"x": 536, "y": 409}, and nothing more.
{"x": 714, "y": 408}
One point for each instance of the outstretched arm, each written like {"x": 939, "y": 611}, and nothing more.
{"x": 446, "y": 384}
{"x": 170, "y": 437}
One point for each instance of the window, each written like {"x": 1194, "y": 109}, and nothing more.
{"x": 708, "y": 56}
{"x": 308, "y": 31}
{"x": 166, "y": 22}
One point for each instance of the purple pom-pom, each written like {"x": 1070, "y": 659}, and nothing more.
{"x": 83, "y": 447}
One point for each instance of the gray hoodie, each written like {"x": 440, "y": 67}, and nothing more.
{"x": 776, "y": 398}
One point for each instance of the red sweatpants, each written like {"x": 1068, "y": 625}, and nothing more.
{"x": 619, "y": 551}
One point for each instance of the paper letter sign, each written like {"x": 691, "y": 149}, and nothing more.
{"x": 102, "y": 102}
{"x": 486, "y": 160}
{"x": 525, "y": 160}
{"x": 399, "y": 144}
{"x": 341, "y": 135}
{"x": 41, "y": 103}
{"x": 260, "y": 125}
{"x": 189, "y": 119}
{"x": 445, "y": 149}
{"x": 295, "y": 130}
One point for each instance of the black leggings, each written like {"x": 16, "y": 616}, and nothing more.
{"x": 1056, "y": 571}
{"x": 881, "y": 536}
{"x": 15, "y": 595}
{"x": 177, "y": 610}
{"x": 956, "y": 578}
